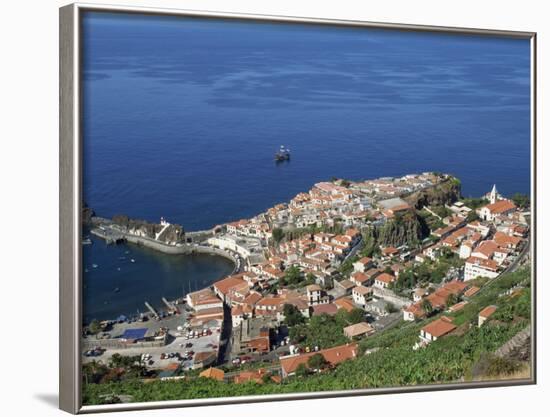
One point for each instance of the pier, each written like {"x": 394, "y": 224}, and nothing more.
{"x": 171, "y": 307}
{"x": 109, "y": 235}
{"x": 105, "y": 229}
{"x": 152, "y": 309}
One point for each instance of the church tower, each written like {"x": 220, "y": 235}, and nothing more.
{"x": 494, "y": 195}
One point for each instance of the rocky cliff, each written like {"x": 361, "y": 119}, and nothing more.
{"x": 408, "y": 228}
{"x": 171, "y": 235}
{"x": 447, "y": 192}
{"x": 87, "y": 214}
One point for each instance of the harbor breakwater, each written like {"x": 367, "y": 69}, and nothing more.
{"x": 103, "y": 228}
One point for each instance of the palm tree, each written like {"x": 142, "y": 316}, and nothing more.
{"x": 427, "y": 306}
{"x": 452, "y": 299}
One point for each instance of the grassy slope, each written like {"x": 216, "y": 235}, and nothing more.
{"x": 394, "y": 364}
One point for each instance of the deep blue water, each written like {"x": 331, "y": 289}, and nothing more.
{"x": 182, "y": 116}
{"x": 118, "y": 285}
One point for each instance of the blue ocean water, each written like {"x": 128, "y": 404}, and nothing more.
{"x": 182, "y": 116}
{"x": 119, "y": 279}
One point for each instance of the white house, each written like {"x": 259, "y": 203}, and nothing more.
{"x": 361, "y": 295}
{"x": 383, "y": 280}
{"x": 478, "y": 267}
{"x": 465, "y": 250}
{"x": 499, "y": 208}
{"x": 363, "y": 264}
{"x": 315, "y": 295}
{"x": 436, "y": 329}
{"x": 359, "y": 278}
{"x": 203, "y": 299}
{"x": 485, "y": 314}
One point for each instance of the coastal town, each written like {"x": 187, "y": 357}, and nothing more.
{"x": 319, "y": 279}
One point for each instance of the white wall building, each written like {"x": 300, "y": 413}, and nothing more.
{"x": 478, "y": 267}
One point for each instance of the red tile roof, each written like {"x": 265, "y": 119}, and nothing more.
{"x": 488, "y": 311}
{"x": 227, "y": 283}
{"x": 330, "y": 309}
{"x": 505, "y": 240}
{"x": 501, "y": 206}
{"x": 439, "y": 327}
{"x": 333, "y": 356}
{"x": 484, "y": 263}
{"x": 390, "y": 250}
{"x": 471, "y": 291}
{"x": 366, "y": 260}
{"x": 360, "y": 277}
{"x": 346, "y": 303}
{"x": 385, "y": 277}
{"x": 213, "y": 373}
{"x": 358, "y": 329}
{"x": 362, "y": 290}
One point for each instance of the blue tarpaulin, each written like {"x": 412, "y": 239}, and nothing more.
{"x": 134, "y": 334}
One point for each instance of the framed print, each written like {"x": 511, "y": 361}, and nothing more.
{"x": 260, "y": 208}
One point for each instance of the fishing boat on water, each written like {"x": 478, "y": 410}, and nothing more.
{"x": 283, "y": 154}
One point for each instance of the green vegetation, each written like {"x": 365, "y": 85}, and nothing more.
{"x": 431, "y": 221}
{"x": 94, "y": 327}
{"x": 475, "y": 203}
{"x": 277, "y": 234}
{"x": 346, "y": 267}
{"x": 403, "y": 229}
{"x": 302, "y": 371}
{"x": 447, "y": 192}
{"x": 370, "y": 245}
{"x": 427, "y": 272}
{"x": 427, "y": 306}
{"x": 293, "y": 316}
{"x": 518, "y": 305}
{"x": 391, "y": 361}
{"x": 294, "y": 278}
{"x": 355, "y": 316}
{"x": 441, "y": 211}
{"x": 451, "y": 300}
{"x": 323, "y": 331}
{"x": 316, "y": 361}
{"x": 120, "y": 368}
{"x": 521, "y": 200}
{"x": 493, "y": 366}
{"x": 472, "y": 216}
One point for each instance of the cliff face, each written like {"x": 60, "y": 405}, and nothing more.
{"x": 403, "y": 229}
{"x": 447, "y": 192}
{"x": 87, "y": 214}
{"x": 173, "y": 234}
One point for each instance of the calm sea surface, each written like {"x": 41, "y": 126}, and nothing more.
{"x": 182, "y": 118}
